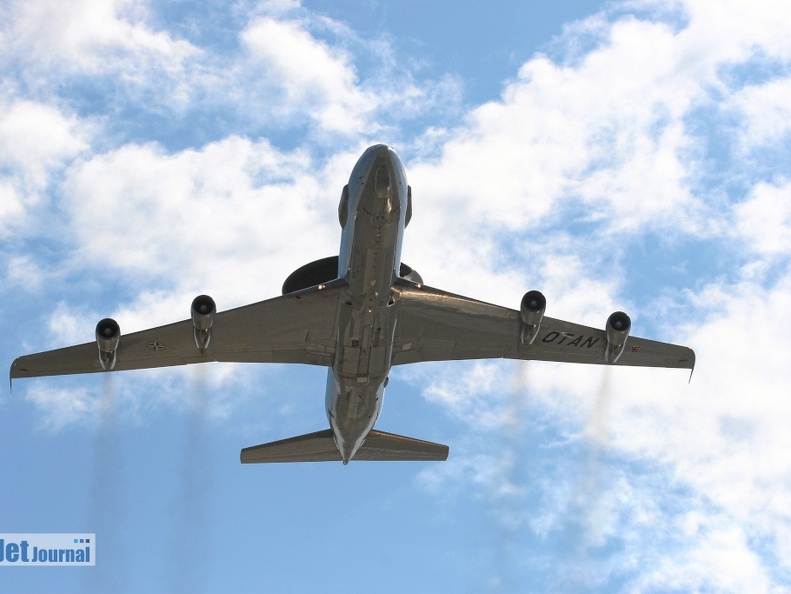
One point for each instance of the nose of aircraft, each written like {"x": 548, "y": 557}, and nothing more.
{"x": 381, "y": 149}
{"x": 382, "y": 180}
{"x": 378, "y": 184}
{"x": 378, "y": 154}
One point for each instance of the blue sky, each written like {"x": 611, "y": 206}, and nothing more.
{"x": 618, "y": 155}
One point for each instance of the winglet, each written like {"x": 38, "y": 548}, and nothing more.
{"x": 692, "y": 369}
{"x": 11, "y": 375}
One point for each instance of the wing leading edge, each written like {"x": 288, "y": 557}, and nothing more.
{"x": 435, "y": 325}
{"x": 294, "y": 328}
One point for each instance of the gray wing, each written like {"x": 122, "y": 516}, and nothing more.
{"x": 434, "y": 325}
{"x": 298, "y": 327}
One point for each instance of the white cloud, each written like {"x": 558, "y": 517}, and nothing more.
{"x": 766, "y": 112}
{"x": 741, "y": 29}
{"x": 607, "y": 130}
{"x": 313, "y": 67}
{"x": 61, "y": 407}
{"x": 614, "y": 135}
{"x": 465, "y": 391}
{"x": 108, "y": 51}
{"x": 724, "y": 436}
{"x": 721, "y": 560}
{"x": 34, "y": 136}
{"x": 36, "y": 142}
{"x": 235, "y": 215}
{"x": 610, "y": 131}
{"x": 764, "y": 220}
{"x": 139, "y": 395}
{"x": 281, "y": 73}
{"x": 92, "y": 36}
{"x": 607, "y": 139}
{"x": 67, "y": 326}
{"x": 23, "y": 271}
{"x": 11, "y": 204}
{"x": 313, "y": 75}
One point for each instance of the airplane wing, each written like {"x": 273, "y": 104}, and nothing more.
{"x": 298, "y": 327}
{"x": 434, "y": 325}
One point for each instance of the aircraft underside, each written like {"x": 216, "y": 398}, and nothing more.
{"x": 359, "y": 314}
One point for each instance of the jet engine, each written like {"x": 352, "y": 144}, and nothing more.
{"x": 618, "y": 326}
{"x": 343, "y": 207}
{"x": 202, "y": 311}
{"x": 108, "y": 335}
{"x": 531, "y": 310}
{"x": 409, "y": 273}
{"x": 408, "y": 206}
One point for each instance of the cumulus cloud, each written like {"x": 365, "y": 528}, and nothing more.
{"x": 313, "y": 76}
{"x": 618, "y": 138}
{"x": 201, "y": 217}
{"x": 37, "y": 141}
{"x": 138, "y": 396}
{"x": 63, "y": 407}
{"x": 91, "y": 36}
{"x": 587, "y": 131}
{"x": 631, "y": 127}
{"x": 764, "y": 220}
{"x": 286, "y": 69}
{"x": 766, "y": 115}
{"x": 613, "y": 130}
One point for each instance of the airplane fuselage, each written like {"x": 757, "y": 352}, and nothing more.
{"x": 373, "y": 215}
{"x": 358, "y": 313}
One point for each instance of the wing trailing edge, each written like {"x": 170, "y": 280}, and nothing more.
{"x": 320, "y": 447}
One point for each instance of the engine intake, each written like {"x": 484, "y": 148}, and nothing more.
{"x": 202, "y": 311}
{"x": 108, "y": 336}
{"x": 531, "y": 311}
{"x": 618, "y": 326}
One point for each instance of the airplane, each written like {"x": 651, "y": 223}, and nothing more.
{"x": 359, "y": 314}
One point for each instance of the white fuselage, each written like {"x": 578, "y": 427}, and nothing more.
{"x": 373, "y": 219}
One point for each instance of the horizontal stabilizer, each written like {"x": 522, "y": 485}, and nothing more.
{"x": 313, "y": 447}
{"x": 320, "y": 447}
{"x": 387, "y": 446}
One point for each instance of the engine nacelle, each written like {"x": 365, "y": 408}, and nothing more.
{"x": 108, "y": 336}
{"x": 618, "y": 327}
{"x": 343, "y": 207}
{"x": 531, "y": 310}
{"x": 408, "y": 206}
{"x": 202, "y": 312}
{"x": 409, "y": 273}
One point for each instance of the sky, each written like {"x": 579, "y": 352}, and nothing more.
{"x": 629, "y": 155}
